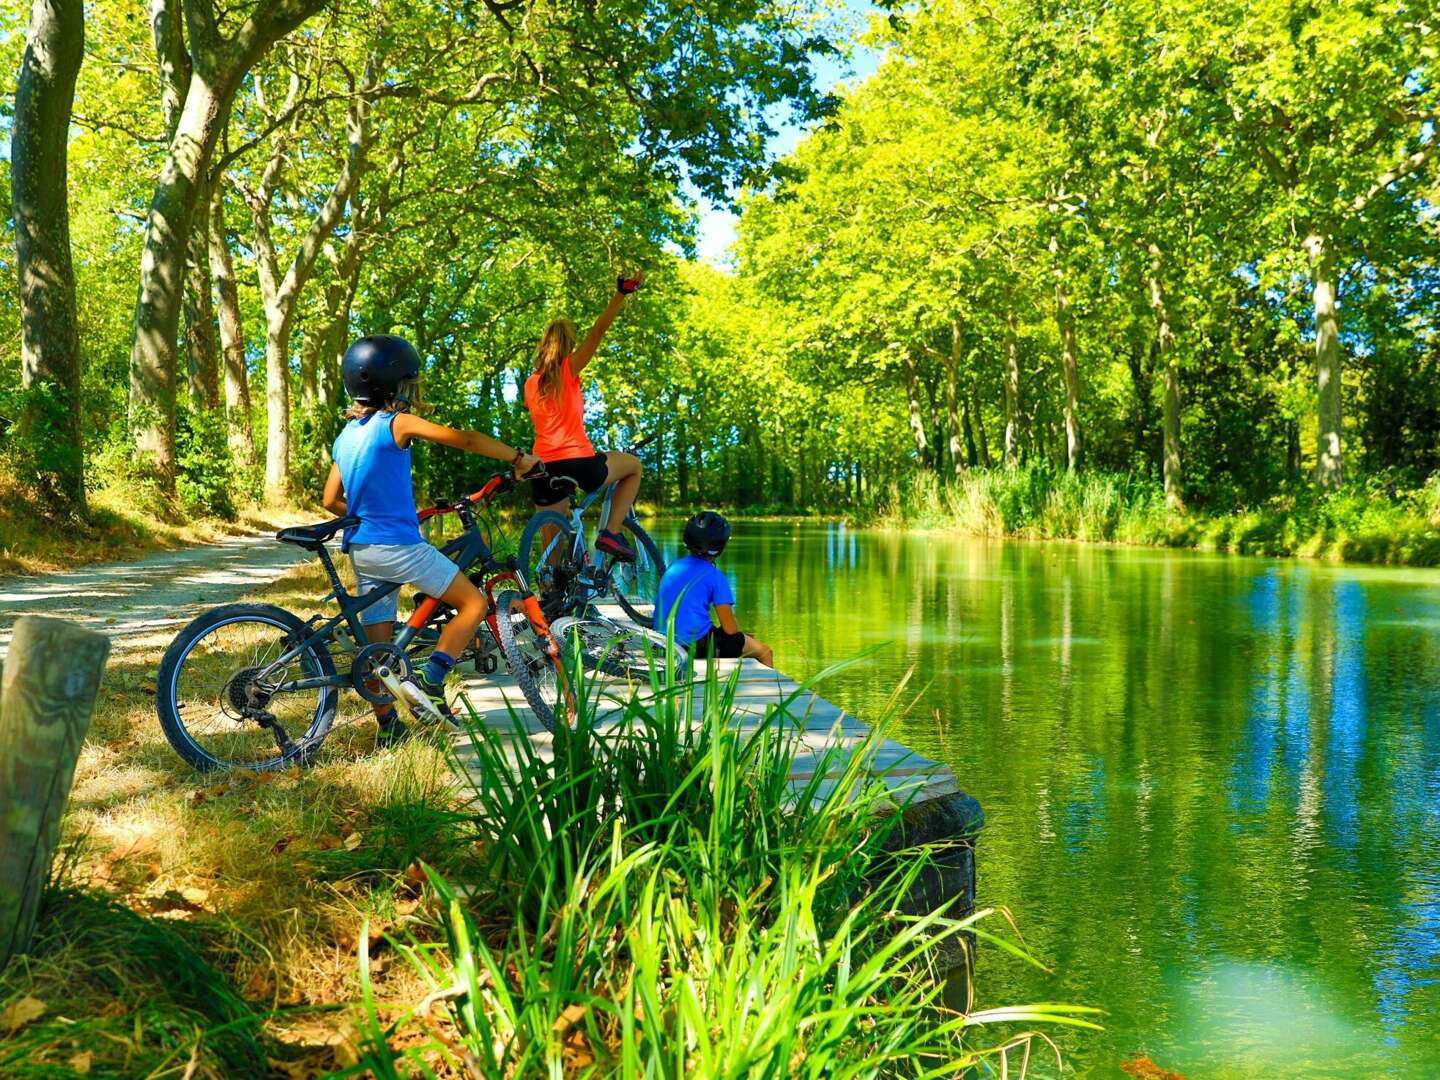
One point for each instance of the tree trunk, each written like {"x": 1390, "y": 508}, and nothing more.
{"x": 202, "y": 351}
{"x": 232, "y": 335}
{"x": 49, "y": 335}
{"x": 281, "y": 294}
{"x": 1012, "y": 384}
{"x": 912, "y": 396}
{"x": 1070, "y": 358}
{"x": 982, "y": 441}
{"x": 952, "y": 397}
{"x": 218, "y": 64}
{"x": 1329, "y": 363}
{"x": 1170, "y": 420}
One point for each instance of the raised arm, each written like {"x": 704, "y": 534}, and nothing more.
{"x": 586, "y": 351}
{"x": 407, "y": 427}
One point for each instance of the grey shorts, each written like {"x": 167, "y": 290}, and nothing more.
{"x": 407, "y": 564}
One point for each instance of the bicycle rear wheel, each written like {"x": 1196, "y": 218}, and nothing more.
{"x": 221, "y": 709}
{"x": 547, "y": 558}
{"x": 636, "y": 584}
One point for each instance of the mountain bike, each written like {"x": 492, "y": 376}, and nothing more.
{"x": 254, "y": 686}
{"x": 570, "y": 577}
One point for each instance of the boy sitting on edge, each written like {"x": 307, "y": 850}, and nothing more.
{"x": 692, "y": 585}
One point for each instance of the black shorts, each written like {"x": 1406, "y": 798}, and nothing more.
{"x": 588, "y": 473}
{"x": 718, "y": 645}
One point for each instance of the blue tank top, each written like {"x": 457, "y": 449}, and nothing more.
{"x": 376, "y": 475}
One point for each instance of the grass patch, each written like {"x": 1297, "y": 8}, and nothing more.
{"x": 267, "y": 881}
{"x": 1039, "y": 503}
{"x": 115, "y": 526}
{"x": 657, "y": 900}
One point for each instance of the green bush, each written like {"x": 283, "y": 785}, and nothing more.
{"x": 205, "y": 479}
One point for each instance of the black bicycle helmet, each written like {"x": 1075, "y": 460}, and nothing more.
{"x": 375, "y": 366}
{"x": 707, "y": 533}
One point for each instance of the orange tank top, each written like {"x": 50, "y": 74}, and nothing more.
{"x": 559, "y": 421}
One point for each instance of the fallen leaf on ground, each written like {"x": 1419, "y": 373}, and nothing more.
{"x": 80, "y": 1063}
{"x": 195, "y": 895}
{"x": 353, "y": 841}
{"x": 406, "y": 907}
{"x": 19, "y": 1013}
{"x": 281, "y": 844}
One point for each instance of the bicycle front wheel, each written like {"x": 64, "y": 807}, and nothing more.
{"x": 633, "y": 653}
{"x": 539, "y": 675}
{"x": 223, "y": 705}
{"x": 636, "y": 584}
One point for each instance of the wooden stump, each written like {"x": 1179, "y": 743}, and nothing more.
{"x": 47, "y": 694}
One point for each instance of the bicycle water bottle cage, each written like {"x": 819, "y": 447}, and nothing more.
{"x": 313, "y": 537}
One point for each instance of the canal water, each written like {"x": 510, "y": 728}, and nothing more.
{"x": 1211, "y": 784}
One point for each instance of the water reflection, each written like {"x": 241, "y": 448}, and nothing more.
{"x": 1212, "y": 785}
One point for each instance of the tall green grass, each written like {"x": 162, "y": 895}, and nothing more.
{"x": 661, "y": 900}
{"x": 1360, "y": 523}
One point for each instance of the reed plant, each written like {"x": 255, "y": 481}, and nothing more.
{"x": 661, "y": 899}
{"x": 1362, "y": 523}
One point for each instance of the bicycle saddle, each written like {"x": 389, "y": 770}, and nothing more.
{"x": 313, "y": 537}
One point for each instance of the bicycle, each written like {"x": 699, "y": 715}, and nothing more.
{"x": 258, "y": 670}
{"x": 568, "y": 577}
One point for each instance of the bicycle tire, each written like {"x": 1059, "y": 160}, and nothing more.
{"x": 527, "y": 663}
{"x": 554, "y": 581}
{"x": 168, "y": 707}
{"x": 620, "y": 650}
{"x": 649, "y": 569}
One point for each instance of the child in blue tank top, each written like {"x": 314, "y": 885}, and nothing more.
{"x": 693, "y": 586}
{"x": 370, "y": 479}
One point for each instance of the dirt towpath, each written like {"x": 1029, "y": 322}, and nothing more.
{"x": 141, "y": 603}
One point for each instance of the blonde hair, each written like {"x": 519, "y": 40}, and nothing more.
{"x": 407, "y": 399}
{"x": 556, "y": 344}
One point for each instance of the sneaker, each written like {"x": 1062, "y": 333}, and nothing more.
{"x": 390, "y": 733}
{"x": 428, "y": 698}
{"x": 612, "y": 544}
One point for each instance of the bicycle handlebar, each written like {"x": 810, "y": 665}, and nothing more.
{"x": 498, "y": 484}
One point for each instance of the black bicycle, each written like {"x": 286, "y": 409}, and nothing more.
{"x": 555, "y": 554}
{"x": 254, "y": 686}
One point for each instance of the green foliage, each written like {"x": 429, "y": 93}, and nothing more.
{"x": 660, "y": 901}
{"x": 205, "y": 484}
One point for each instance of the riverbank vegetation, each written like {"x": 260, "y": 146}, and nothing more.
{"x": 293, "y": 925}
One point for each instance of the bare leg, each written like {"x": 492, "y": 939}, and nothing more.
{"x": 624, "y": 473}
{"x": 469, "y": 604}
{"x": 759, "y": 650}
{"x": 547, "y": 532}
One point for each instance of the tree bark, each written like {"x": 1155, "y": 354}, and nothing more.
{"x": 1170, "y": 420}
{"x": 49, "y": 332}
{"x": 47, "y": 695}
{"x": 982, "y": 440}
{"x": 202, "y": 350}
{"x": 217, "y": 66}
{"x": 232, "y": 334}
{"x": 952, "y": 398}
{"x": 1012, "y": 384}
{"x": 912, "y": 397}
{"x": 1329, "y": 363}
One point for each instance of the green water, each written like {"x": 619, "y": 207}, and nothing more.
{"x": 1211, "y": 784}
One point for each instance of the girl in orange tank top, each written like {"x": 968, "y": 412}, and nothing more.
{"x": 556, "y": 404}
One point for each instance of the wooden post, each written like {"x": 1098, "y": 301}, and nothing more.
{"x": 47, "y": 693}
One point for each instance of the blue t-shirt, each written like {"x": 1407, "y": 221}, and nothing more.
{"x": 376, "y": 475}
{"x": 689, "y": 587}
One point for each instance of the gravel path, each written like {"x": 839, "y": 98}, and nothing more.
{"x": 139, "y": 604}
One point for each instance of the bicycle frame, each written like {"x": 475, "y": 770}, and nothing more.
{"x": 468, "y": 549}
